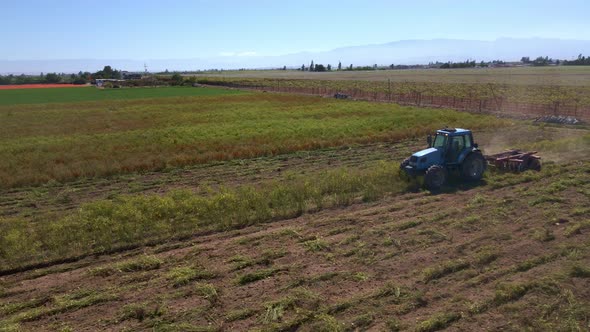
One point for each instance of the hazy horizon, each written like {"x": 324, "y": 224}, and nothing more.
{"x": 233, "y": 34}
{"x": 406, "y": 52}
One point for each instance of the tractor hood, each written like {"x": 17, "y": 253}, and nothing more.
{"x": 421, "y": 160}
{"x": 424, "y": 152}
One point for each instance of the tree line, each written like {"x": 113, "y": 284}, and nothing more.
{"x": 52, "y": 78}
{"x": 466, "y": 64}
{"x": 580, "y": 61}
{"x": 42, "y": 78}
{"x": 109, "y": 73}
{"x": 537, "y": 62}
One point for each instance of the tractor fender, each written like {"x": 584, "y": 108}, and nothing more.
{"x": 473, "y": 166}
{"x": 466, "y": 153}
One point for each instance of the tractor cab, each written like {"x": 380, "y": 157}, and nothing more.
{"x": 452, "y": 144}
{"x": 451, "y": 149}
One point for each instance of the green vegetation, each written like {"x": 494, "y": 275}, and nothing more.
{"x": 444, "y": 269}
{"x": 505, "y": 293}
{"x": 536, "y": 261}
{"x": 69, "y": 302}
{"x": 316, "y": 244}
{"x": 548, "y": 90}
{"x": 486, "y": 256}
{"x": 256, "y": 275}
{"x": 142, "y": 263}
{"x": 63, "y": 142}
{"x": 108, "y": 225}
{"x": 240, "y": 314}
{"x": 77, "y": 95}
{"x": 104, "y": 226}
{"x": 577, "y": 228}
{"x": 270, "y": 243}
{"x": 141, "y": 311}
{"x": 240, "y": 262}
{"x": 557, "y": 76}
{"x": 580, "y": 271}
{"x": 207, "y": 291}
{"x": 362, "y": 321}
{"x": 302, "y": 295}
{"x": 181, "y": 276}
{"x": 438, "y": 322}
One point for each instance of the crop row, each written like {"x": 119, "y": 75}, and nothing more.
{"x": 110, "y": 225}
{"x": 62, "y": 143}
{"x": 530, "y": 94}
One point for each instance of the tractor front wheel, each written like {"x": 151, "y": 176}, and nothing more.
{"x": 404, "y": 163}
{"x": 473, "y": 167}
{"x": 435, "y": 177}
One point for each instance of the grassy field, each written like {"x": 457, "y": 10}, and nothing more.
{"x": 276, "y": 212}
{"x": 70, "y": 95}
{"x": 495, "y": 93}
{"x": 63, "y": 142}
{"x": 558, "y": 88}
{"x": 556, "y": 76}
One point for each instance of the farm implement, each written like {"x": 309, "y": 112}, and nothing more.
{"x": 515, "y": 160}
{"x": 454, "y": 151}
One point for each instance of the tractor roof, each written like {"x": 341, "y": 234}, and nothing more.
{"x": 454, "y": 131}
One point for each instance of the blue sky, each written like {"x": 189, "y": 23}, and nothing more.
{"x": 177, "y": 29}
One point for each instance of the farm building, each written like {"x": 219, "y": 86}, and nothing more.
{"x": 101, "y": 81}
{"x": 131, "y": 76}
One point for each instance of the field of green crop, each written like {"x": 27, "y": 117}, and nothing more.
{"x": 71, "y": 95}
{"x": 233, "y": 211}
{"x": 66, "y": 141}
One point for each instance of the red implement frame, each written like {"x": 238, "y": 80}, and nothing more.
{"x": 515, "y": 160}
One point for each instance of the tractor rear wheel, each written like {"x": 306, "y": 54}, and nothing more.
{"x": 473, "y": 167}
{"x": 435, "y": 177}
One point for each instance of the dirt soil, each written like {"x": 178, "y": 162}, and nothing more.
{"x": 507, "y": 257}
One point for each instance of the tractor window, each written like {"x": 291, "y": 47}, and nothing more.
{"x": 468, "y": 143}
{"x": 457, "y": 145}
{"x": 439, "y": 141}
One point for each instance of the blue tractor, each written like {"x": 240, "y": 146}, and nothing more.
{"x": 451, "y": 150}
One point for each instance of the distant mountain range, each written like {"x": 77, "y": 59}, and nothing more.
{"x": 399, "y": 52}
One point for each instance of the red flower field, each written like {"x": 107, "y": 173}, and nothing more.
{"x": 39, "y": 86}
